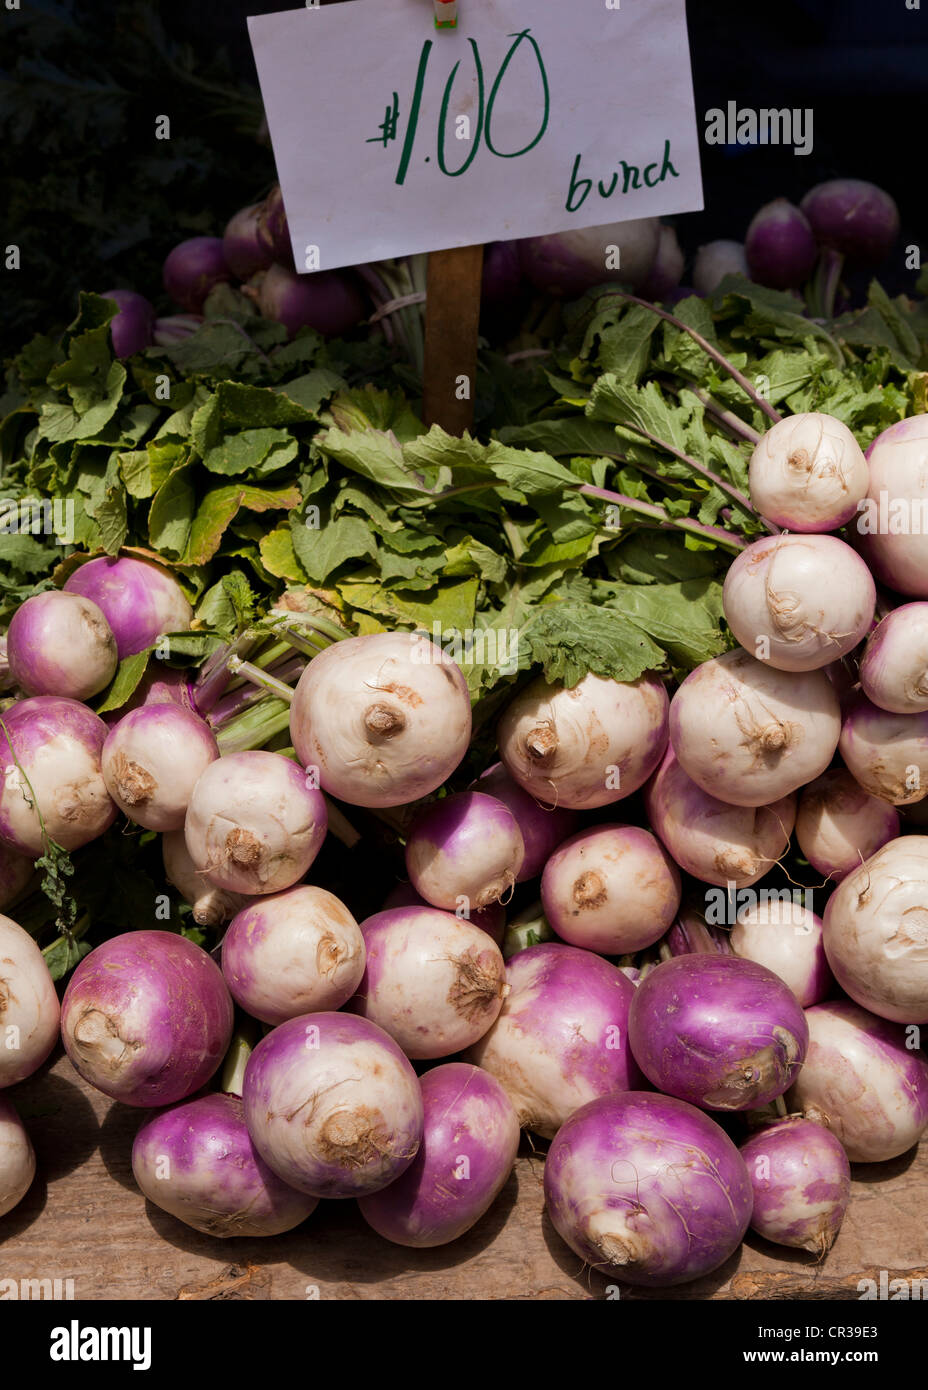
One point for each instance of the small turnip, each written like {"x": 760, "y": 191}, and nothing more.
{"x": 29, "y": 1012}
{"x": 808, "y": 473}
{"x": 839, "y": 825}
{"x": 17, "y": 1158}
{"x": 714, "y": 261}
{"x": 152, "y": 760}
{"x": 802, "y": 1184}
{"x": 138, "y": 598}
{"x": 894, "y": 665}
{"x": 785, "y": 937}
{"x": 464, "y": 850}
{"x": 779, "y": 246}
{"x": 887, "y": 754}
{"x": 543, "y": 828}
{"x": 893, "y": 521}
{"x": 211, "y": 905}
{"x": 61, "y": 644}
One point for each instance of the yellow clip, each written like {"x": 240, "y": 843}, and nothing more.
{"x": 446, "y": 14}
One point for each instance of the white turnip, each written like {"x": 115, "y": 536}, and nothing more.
{"x": 211, "y": 905}
{"x": 839, "y": 825}
{"x": 29, "y": 1012}
{"x": 894, "y": 665}
{"x": 808, "y": 473}
{"x": 61, "y": 644}
{"x": 886, "y": 753}
{"x": 152, "y": 760}
{"x": 893, "y": 520}
{"x": 786, "y": 937}
{"x": 17, "y": 1158}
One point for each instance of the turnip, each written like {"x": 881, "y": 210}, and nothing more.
{"x": 433, "y": 981}
{"x": 710, "y": 839}
{"x": 17, "y": 1158}
{"x": 139, "y": 600}
{"x": 211, "y": 905}
{"x": 131, "y": 328}
{"x": 16, "y": 871}
{"x": 292, "y": 953}
{"x": 613, "y": 889}
{"x": 691, "y": 934}
{"x": 562, "y": 1035}
{"x": 333, "y": 1105}
{"x": 568, "y": 263}
{"x": 863, "y": 1081}
{"x": 152, "y": 760}
{"x": 146, "y": 1018}
{"x": 244, "y": 248}
{"x": 175, "y": 328}
{"x": 808, "y": 473}
{"x": 273, "y": 229}
{"x": 324, "y": 300}
{"x": 894, "y": 665}
{"x": 385, "y": 718}
{"x": 255, "y": 822}
{"x": 50, "y": 764}
{"x": 886, "y": 753}
{"x": 197, "y": 1162}
{"x": 61, "y": 644}
{"x": 876, "y": 931}
{"x": 802, "y": 1184}
{"x": 785, "y": 937}
{"x": 469, "y": 1144}
{"x": 29, "y": 1010}
{"x": 465, "y": 850}
{"x": 779, "y": 246}
{"x": 839, "y": 825}
{"x": 586, "y": 746}
{"x": 854, "y": 218}
{"x": 714, "y": 261}
{"x": 491, "y": 919}
{"x": 893, "y": 520}
{"x": 666, "y": 270}
{"x": 192, "y": 269}
{"x": 717, "y": 1031}
{"x": 647, "y": 1189}
{"x": 748, "y": 733}
{"x": 799, "y": 602}
{"x": 543, "y": 828}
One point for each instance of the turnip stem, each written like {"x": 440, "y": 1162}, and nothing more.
{"x": 664, "y": 519}
{"x": 252, "y": 673}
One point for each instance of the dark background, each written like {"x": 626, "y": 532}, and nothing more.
{"x": 95, "y": 202}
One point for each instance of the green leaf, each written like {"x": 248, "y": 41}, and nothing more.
{"x": 279, "y": 557}
{"x": 683, "y": 618}
{"x": 255, "y": 452}
{"x": 571, "y": 639}
{"x": 533, "y": 474}
{"x": 220, "y": 506}
{"x": 320, "y": 551}
{"x": 125, "y": 682}
{"x": 574, "y": 434}
{"x": 451, "y": 605}
{"x": 172, "y": 513}
{"x": 63, "y": 954}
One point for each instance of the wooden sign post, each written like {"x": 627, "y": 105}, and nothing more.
{"x": 452, "y": 316}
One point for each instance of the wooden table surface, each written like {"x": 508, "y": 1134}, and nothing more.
{"x": 85, "y": 1220}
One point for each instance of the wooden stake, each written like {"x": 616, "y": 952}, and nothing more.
{"x": 452, "y": 315}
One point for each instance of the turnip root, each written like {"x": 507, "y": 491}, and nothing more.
{"x": 211, "y": 905}
{"x": 892, "y": 520}
{"x": 787, "y": 938}
{"x": 465, "y": 850}
{"x": 894, "y": 666}
{"x": 802, "y": 1184}
{"x": 586, "y": 746}
{"x": 17, "y": 1158}
{"x": 839, "y": 825}
{"x": 808, "y": 473}
{"x": 887, "y": 754}
{"x": 29, "y": 1012}
{"x": 491, "y": 919}
{"x": 152, "y": 760}
{"x": 749, "y": 734}
{"x": 543, "y": 828}
{"x": 138, "y": 598}
{"x": 61, "y": 644}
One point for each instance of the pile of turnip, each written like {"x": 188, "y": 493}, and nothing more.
{"x": 587, "y": 935}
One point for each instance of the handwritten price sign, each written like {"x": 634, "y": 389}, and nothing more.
{"x": 531, "y": 117}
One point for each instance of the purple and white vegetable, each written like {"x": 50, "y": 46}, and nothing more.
{"x": 886, "y": 753}
{"x": 469, "y": 1144}
{"x": 893, "y": 520}
{"x": 562, "y": 1035}
{"x": 385, "y": 718}
{"x": 29, "y": 1012}
{"x": 894, "y": 665}
{"x": 647, "y": 1189}
{"x": 292, "y": 953}
{"x": 175, "y": 328}
{"x": 61, "y": 644}
{"x": 50, "y": 763}
{"x": 854, "y": 218}
{"x": 194, "y": 268}
{"x": 152, "y": 760}
{"x": 274, "y": 229}
{"x": 197, "y": 1162}
{"x": 612, "y": 889}
{"x": 802, "y": 1184}
{"x": 255, "y": 822}
{"x": 748, "y": 733}
{"x": 333, "y": 1105}
{"x": 808, "y": 473}
{"x": 17, "y": 1158}
{"x": 569, "y": 263}
{"x": 714, "y": 261}
{"x": 211, "y": 905}
{"x": 876, "y": 931}
{"x": 433, "y": 981}
{"x": 786, "y": 937}
{"x": 324, "y": 300}
{"x": 717, "y": 1031}
{"x": 244, "y": 247}
{"x": 839, "y": 825}
{"x": 863, "y": 1081}
{"x": 139, "y": 600}
{"x": 586, "y": 746}
{"x": 464, "y": 851}
{"x": 799, "y": 602}
{"x": 146, "y": 1018}
{"x": 779, "y": 246}
{"x": 491, "y": 919}
{"x": 132, "y": 326}
{"x": 16, "y": 872}
{"x": 543, "y": 828}
{"x": 710, "y": 839}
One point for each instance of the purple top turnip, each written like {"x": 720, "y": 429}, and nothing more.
{"x": 886, "y": 753}
{"x": 543, "y": 828}
{"x": 29, "y": 1012}
{"x": 192, "y": 269}
{"x": 568, "y": 263}
{"x": 787, "y": 938}
{"x": 779, "y": 246}
{"x": 667, "y": 267}
{"x": 469, "y": 1144}
{"x": 61, "y": 644}
{"x": 839, "y": 825}
{"x": 17, "y": 1158}
{"x": 196, "y": 1161}
{"x": 501, "y": 281}
{"x": 131, "y": 328}
{"x": 293, "y": 953}
{"x": 714, "y": 261}
{"x": 152, "y": 760}
{"x": 893, "y": 520}
{"x": 333, "y": 1105}
{"x": 464, "y": 851}
{"x": 324, "y": 300}
{"x": 894, "y": 666}
{"x": 717, "y": 1031}
{"x": 801, "y": 1181}
{"x": 244, "y": 248}
{"x": 138, "y": 598}
{"x": 273, "y": 227}
{"x": 808, "y": 473}
{"x": 562, "y": 1035}
{"x": 57, "y": 744}
{"x": 647, "y": 1189}
{"x": 854, "y": 218}
{"x": 433, "y": 981}
{"x": 175, "y": 328}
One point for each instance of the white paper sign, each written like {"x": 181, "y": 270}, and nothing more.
{"x": 531, "y": 117}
